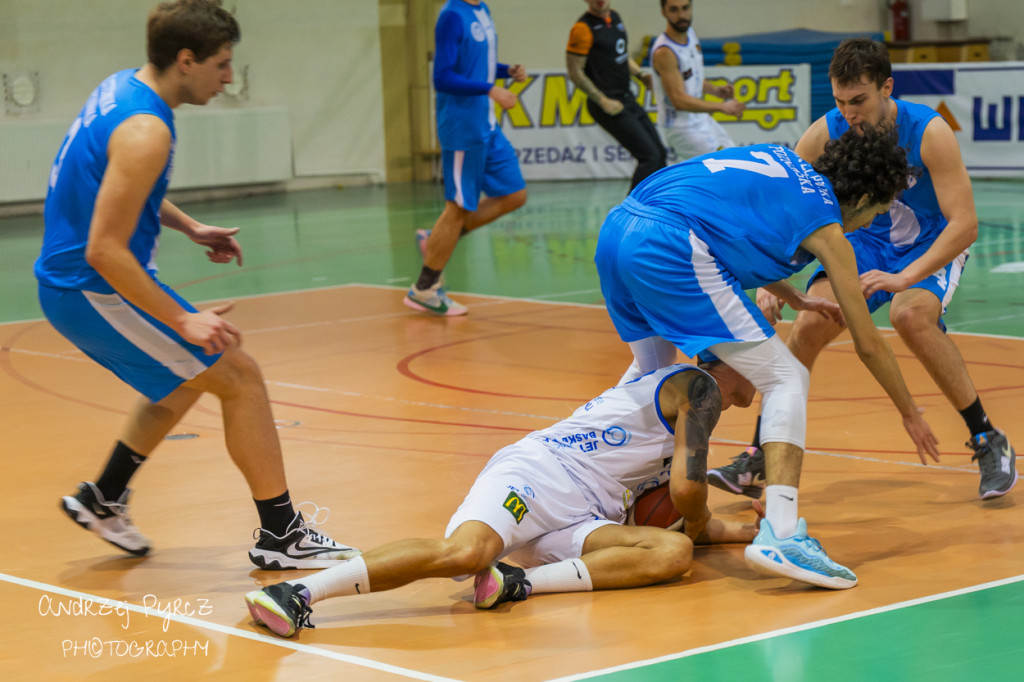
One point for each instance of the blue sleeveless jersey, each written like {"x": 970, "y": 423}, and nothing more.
{"x": 751, "y": 205}
{"x": 75, "y": 180}
{"x": 915, "y": 217}
{"x": 465, "y": 120}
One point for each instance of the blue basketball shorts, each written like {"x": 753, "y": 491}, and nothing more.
{"x": 491, "y": 168}
{"x": 876, "y": 254}
{"x": 660, "y": 279}
{"x": 143, "y": 352}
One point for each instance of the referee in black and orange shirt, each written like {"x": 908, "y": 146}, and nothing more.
{"x": 597, "y": 58}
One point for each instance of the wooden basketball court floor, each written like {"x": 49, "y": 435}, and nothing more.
{"x": 386, "y": 417}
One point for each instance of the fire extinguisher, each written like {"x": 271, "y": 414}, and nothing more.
{"x": 900, "y": 19}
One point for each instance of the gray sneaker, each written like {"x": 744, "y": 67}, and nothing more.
{"x": 745, "y": 476}
{"x": 997, "y": 461}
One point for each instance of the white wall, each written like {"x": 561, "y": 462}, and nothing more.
{"x": 320, "y": 58}
{"x": 535, "y": 32}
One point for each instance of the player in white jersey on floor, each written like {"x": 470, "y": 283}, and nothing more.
{"x": 684, "y": 116}
{"x": 677, "y": 256}
{"x": 555, "y": 503}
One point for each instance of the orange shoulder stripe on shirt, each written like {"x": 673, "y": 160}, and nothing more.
{"x": 581, "y": 39}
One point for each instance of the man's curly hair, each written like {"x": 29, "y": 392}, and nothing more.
{"x": 869, "y": 161}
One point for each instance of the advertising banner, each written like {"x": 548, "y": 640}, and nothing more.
{"x": 983, "y": 102}
{"x": 555, "y": 138}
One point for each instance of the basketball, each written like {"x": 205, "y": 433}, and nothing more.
{"x": 654, "y": 508}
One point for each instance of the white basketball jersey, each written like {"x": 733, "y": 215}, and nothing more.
{"x": 691, "y": 67}
{"x": 618, "y": 444}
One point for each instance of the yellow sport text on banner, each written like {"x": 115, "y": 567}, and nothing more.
{"x": 555, "y": 138}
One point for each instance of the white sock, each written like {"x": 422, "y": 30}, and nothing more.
{"x": 570, "y": 575}
{"x": 340, "y": 581}
{"x": 781, "y": 509}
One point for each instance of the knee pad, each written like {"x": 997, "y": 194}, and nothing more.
{"x": 649, "y": 354}
{"x": 781, "y": 379}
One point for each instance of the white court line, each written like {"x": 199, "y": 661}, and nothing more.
{"x": 497, "y": 298}
{"x": 862, "y": 458}
{"x": 76, "y": 355}
{"x": 791, "y": 630}
{"x": 226, "y": 629}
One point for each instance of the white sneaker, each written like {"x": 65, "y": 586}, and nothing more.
{"x": 433, "y": 300}
{"x": 109, "y": 520}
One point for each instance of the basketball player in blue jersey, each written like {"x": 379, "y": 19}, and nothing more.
{"x": 475, "y": 153}
{"x": 98, "y": 285}
{"x": 675, "y": 258}
{"x": 556, "y": 503}
{"x": 910, "y": 257}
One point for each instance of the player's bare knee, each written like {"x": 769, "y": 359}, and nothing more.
{"x": 911, "y": 322}
{"x": 235, "y": 371}
{"x": 671, "y": 558}
{"x": 464, "y": 558}
{"x": 811, "y": 332}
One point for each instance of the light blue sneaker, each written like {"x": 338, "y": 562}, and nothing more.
{"x": 799, "y": 557}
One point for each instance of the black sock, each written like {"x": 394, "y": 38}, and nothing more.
{"x": 120, "y": 468}
{"x": 276, "y": 513}
{"x": 428, "y": 278}
{"x": 757, "y": 433}
{"x": 977, "y": 420}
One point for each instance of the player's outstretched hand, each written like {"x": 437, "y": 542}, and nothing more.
{"x": 759, "y": 510}
{"x": 221, "y": 242}
{"x": 719, "y": 532}
{"x": 771, "y": 305}
{"x": 517, "y": 72}
{"x": 505, "y": 98}
{"x": 694, "y": 529}
{"x": 211, "y": 331}
{"x": 823, "y": 306}
{"x": 876, "y": 280}
{"x": 926, "y": 442}
{"x": 612, "y": 107}
{"x": 733, "y": 107}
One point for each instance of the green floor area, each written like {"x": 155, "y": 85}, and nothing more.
{"x": 973, "y": 636}
{"x": 335, "y": 236}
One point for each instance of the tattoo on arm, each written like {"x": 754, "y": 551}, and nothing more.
{"x": 576, "y": 64}
{"x": 702, "y": 413}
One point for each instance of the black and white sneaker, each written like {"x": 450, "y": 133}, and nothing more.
{"x": 300, "y": 547}
{"x": 109, "y": 520}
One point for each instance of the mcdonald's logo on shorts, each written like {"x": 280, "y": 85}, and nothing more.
{"x": 516, "y": 507}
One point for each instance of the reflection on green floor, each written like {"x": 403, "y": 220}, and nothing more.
{"x": 544, "y": 251}
{"x": 972, "y": 636}
{"x": 336, "y": 236}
